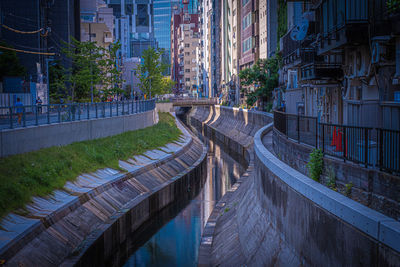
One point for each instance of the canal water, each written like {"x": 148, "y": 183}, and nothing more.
{"x": 178, "y": 230}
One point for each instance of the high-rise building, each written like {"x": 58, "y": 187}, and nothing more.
{"x": 249, "y": 35}
{"x": 210, "y": 18}
{"x": 163, "y": 10}
{"x": 133, "y": 25}
{"x": 184, "y": 44}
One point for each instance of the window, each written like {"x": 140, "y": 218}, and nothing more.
{"x": 246, "y": 21}
{"x": 247, "y": 44}
{"x": 244, "y": 2}
{"x": 142, "y": 18}
{"x": 187, "y": 79}
{"x": 187, "y": 70}
{"x": 187, "y": 45}
{"x": 187, "y": 53}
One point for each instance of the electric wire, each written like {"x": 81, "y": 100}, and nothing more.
{"x": 21, "y": 32}
{"x": 27, "y": 52}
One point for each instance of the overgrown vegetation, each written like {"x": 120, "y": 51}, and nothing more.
{"x": 282, "y": 20}
{"x": 315, "y": 164}
{"x": 348, "y": 188}
{"x": 331, "y": 178}
{"x": 39, "y": 173}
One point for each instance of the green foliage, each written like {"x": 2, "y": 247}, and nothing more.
{"x": 348, "y": 189}
{"x": 282, "y": 19}
{"x": 41, "y": 172}
{"x": 315, "y": 164}
{"x": 58, "y": 80}
{"x": 268, "y": 107}
{"x": 152, "y": 81}
{"x": 331, "y": 178}
{"x": 393, "y": 5}
{"x": 263, "y": 75}
{"x": 9, "y": 63}
{"x": 111, "y": 71}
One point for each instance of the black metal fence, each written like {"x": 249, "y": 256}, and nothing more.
{"x": 372, "y": 147}
{"x": 34, "y": 115}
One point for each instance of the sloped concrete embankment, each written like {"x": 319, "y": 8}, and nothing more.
{"x": 275, "y": 216}
{"x": 93, "y": 226}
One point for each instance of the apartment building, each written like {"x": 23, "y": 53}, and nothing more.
{"x": 185, "y": 36}
{"x": 249, "y": 33}
{"x": 97, "y": 22}
{"x": 341, "y": 64}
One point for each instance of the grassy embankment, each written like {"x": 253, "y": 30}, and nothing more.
{"x": 40, "y": 172}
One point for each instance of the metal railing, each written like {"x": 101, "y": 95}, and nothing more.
{"x": 35, "y": 115}
{"x": 371, "y": 147}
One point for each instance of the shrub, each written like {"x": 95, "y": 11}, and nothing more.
{"x": 331, "y": 178}
{"x": 315, "y": 164}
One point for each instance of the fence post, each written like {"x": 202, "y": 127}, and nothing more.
{"x": 380, "y": 149}
{"x": 79, "y": 111}
{"x": 316, "y": 133}
{"x": 36, "y": 115}
{"x": 117, "y": 107}
{"x": 95, "y": 105}
{"x": 48, "y": 114}
{"x": 23, "y": 117}
{"x": 298, "y": 128}
{"x": 344, "y": 143}
{"x": 88, "y": 110}
{"x": 323, "y": 138}
{"x": 287, "y": 126}
{"x": 59, "y": 113}
{"x": 123, "y": 107}
{"x": 366, "y": 147}
{"x": 11, "y": 118}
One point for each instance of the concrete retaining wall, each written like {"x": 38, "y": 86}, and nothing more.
{"x": 322, "y": 226}
{"x": 22, "y": 140}
{"x": 375, "y": 189}
{"x": 279, "y": 217}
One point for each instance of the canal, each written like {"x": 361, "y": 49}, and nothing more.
{"x": 172, "y": 238}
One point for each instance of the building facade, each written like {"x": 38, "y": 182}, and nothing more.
{"x": 185, "y": 36}
{"x": 341, "y": 64}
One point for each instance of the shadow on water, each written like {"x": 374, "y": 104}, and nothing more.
{"x": 172, "y": 237}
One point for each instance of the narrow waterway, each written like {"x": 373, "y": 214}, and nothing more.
{"x": 177, "y": 241}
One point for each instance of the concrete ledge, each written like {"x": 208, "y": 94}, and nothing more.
{"x": 22, "y": 140}
{"x": 339, "y": 210}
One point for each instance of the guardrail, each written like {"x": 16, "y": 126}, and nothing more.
{"x": 372, "y": 147}
{"x": 35, "y": 115}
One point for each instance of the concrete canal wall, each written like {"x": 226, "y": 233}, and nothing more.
{"x": 93, "y": 226}
{"x": 276, "y": 216}
{"x": 22, "y": 140}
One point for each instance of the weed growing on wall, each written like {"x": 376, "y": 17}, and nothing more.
{"x": 330, "y": 172}
{"x": 315, "y": 164}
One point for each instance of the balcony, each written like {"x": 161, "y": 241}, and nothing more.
{"x": 342, "y": 22}
{"x": 320, "y": 71}
{"x": 290, "y": 49}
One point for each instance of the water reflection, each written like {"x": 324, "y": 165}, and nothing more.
{"x": 177, "y": 242}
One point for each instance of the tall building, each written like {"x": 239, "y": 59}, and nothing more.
{"x": 184, "y": 44}
{"x": 249, "y": 35}
{"x": 163, "y": 10}
{"x": 134, "y": 26}
{"x": 58, "y": 21}
{"x": 210, "y": 18}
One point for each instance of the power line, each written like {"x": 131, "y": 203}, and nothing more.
{"x": 22, "y": 32}
{"x": 27, "y": 52}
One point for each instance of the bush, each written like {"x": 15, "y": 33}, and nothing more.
{"x": 315, "y": 164}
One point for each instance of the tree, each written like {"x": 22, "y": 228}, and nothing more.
{"x": 264, "y": 76}
{"x": 111, "y": 71}
{"x": 166, "y": 85}
{"x": 9, "y": 63}
{"x": 85, "y": 71}
{"x": 58, "y": 80}
{"x": 150, "y": 72}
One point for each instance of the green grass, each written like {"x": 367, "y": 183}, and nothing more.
{"x": 41, "y": 172}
